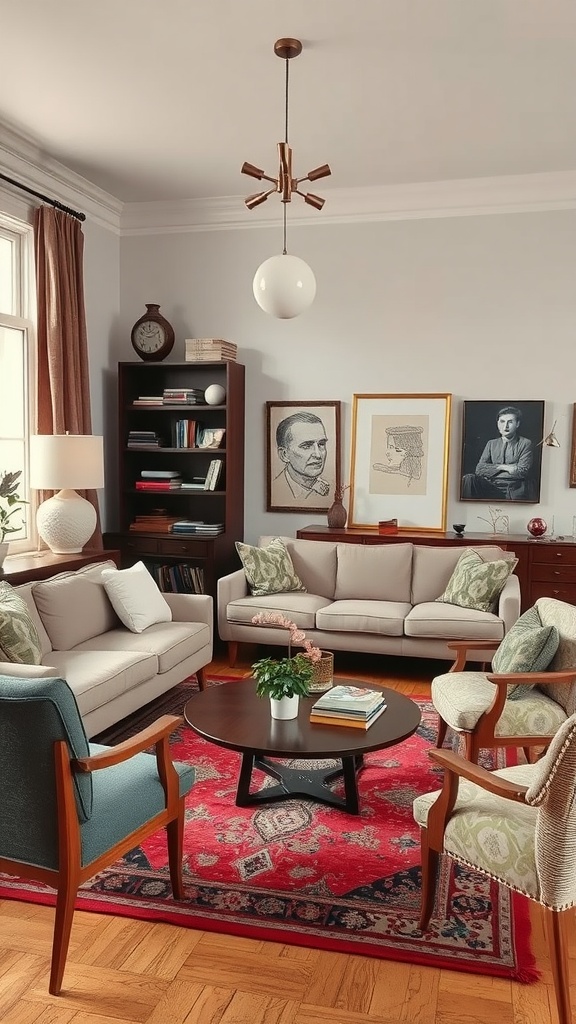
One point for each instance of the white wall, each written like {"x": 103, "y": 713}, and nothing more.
{"x": 482, "y": 307}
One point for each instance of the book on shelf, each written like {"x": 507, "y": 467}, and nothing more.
{"x": 207, "y": 347}
{"x": 158, "y": 485}
{"x": 193, "y": 485}
{"x": 148, "y": 400}
{"x": 348, "y": 723}
{"x": 359, "y": 700}
{"x": 190, "y": 527}
{"x": 161, "y": 474}
{"x": 213, "y": 474}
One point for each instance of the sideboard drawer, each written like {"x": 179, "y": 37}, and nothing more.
{"x": 141, "y": 545}
{"x": 554, "y": 553}
{"x": 555, "y": 573}
{"x": 561, "y": 591}
{"x": 193, "y": 548}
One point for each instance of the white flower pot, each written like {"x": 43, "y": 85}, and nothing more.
{"x": 285, "y": 708}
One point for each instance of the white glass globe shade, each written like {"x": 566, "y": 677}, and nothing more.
{"x": 284, "y": 286}
{"x": 215, "y": 394}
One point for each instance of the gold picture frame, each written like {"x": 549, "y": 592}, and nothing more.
{"x": 399, "y": 460}
{"x": 573, "y": 449}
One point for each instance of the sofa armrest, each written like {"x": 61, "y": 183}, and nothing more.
{"x": 232, "y": 587}
{"x": 509, "y": 602}
{"x": 190, "y": 607}
{"x": 16, "y": 668}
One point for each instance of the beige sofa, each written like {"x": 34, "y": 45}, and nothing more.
{"x": 378, "y": 599}
{"x": 111, "y": 670}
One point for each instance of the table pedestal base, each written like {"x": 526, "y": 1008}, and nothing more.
{"x": 312, "y": 783}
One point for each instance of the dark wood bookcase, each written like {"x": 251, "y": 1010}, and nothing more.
{"x": 216, "y": 555}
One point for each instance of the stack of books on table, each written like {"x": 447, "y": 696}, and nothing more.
{"x": 196, "y": 528}
{"x": 159, "y": 480}
{"x": 200, "y": 350}
{"x": 183, "y": 396}
{"x": 355, "y": 706}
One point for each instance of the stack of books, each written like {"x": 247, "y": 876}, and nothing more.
{"x": 196, "y": 528}
{"x": 156, "y": 522}
{"x": 159, "y": 480}
{"x": 143, "y": 439}
{"x": 183, "y": 396}
{"x": 148, "y": 400}
{"x": 200, "y": 350}
{"x": 355, "y": 706}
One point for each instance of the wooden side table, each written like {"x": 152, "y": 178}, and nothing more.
{"x": 40, "y": 565}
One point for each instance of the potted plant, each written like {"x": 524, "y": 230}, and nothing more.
{"x": 285, "y": 680}
{"x": 9, "y": 505}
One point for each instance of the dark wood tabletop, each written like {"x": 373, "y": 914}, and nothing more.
{"x": 231, "y": 715}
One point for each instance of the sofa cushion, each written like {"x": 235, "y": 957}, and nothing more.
{"x": 268, "y": 569}
{"x": 97, "y": 677}
{"x": 170, "y": 642}
{"x": 298, "y": 607}
{"x": 527, "y": 647}
{"x": 450, "y": 622}
{"x": 432, "y": 567}
{"x": 373, "y": 572}
{"x": 383, "y": 617}
{"x": 73, "y": 607}
{"x": 19, "y": 640}
{"x": 136, "y": 597}
{"x": 476, "y": 583}
{"x": 461, "y": 698}
{"x": 563, "y": 617}
{"x": 314, "y": 562}
{"x": 26, "y": 592}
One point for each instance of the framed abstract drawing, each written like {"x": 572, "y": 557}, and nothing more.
{"x": 399, "y": 460}
{"x": 302, "y": 455}
{"x": 502, "y": 451}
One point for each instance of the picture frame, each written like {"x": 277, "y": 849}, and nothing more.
{"x": 399, "y": 460}
{"x": 573, "y": 449}
{"x": 485, "y": 425}
{"x": 303, "y": 457}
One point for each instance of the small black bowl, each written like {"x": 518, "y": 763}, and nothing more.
{"x": 459, "y": 529}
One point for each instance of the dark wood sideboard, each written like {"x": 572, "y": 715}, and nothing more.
{"x": 546, "y": 568}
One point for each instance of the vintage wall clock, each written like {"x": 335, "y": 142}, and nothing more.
{"x": 152, "y": 336}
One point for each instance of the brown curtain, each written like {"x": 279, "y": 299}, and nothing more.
{"x": 62, "y": 383}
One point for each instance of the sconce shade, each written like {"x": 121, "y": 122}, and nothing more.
{"x": 284, "y": 286}
{"x": 62, "y": 462}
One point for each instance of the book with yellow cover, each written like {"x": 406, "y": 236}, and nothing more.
{"x": 354, "y": 723}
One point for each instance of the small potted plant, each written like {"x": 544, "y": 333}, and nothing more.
{"x": 10, "y": 502}
{"x": 285, "y": 680}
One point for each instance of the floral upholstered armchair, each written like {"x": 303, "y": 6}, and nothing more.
{"x": 528, "y": 694}
{"x": 517, "y": 825}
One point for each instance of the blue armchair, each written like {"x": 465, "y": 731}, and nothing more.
{"x": 69, "y": 808}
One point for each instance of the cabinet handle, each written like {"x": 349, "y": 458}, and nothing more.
{"x": 556, "y": 573}
{"x": 556, "y": 591}
{"x": 558, "y": 554}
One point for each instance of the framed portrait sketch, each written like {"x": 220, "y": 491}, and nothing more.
{"x": 502, "y": 451}
{"x": 399, "y": 461}
{"x": 302, "y": 455}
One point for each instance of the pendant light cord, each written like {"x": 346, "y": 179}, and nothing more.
{"x": 284, "y": 205}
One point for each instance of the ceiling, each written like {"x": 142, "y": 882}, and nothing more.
{"x": 165, "y": 99}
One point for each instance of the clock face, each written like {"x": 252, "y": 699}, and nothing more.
{"x": 149, "y": 336}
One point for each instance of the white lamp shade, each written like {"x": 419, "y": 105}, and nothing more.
{"x": 284, "y": 286}
{"x": 66, "y": 461}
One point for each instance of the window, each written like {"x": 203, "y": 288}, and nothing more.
{"x": 17, "y": 362}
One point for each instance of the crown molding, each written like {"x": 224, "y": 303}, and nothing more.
{"x": 466, "y": 197}
{"x": 23, "y": 159}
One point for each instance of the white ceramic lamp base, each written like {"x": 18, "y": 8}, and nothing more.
{"x": 66, "y": 522}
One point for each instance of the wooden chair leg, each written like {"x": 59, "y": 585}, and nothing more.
{"x": 441, "y": 736}
{"x": 430, "y": 860}
{"x": 555, "y": 927}
{"x": 201, "y": 677}
{"x": 471, "y": 749}
{"x": 65, "y": 902}
{"x": 175, "y": 839}
{"x": 232, "y": 652}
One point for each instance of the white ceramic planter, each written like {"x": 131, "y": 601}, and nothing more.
{"x": 285, "y": 708}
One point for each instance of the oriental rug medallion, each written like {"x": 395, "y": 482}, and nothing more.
{"x": 302, "y": 873}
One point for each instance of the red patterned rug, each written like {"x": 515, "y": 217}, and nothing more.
{"x": 302, "y": 873}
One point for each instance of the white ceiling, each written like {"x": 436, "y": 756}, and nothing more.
{"x": 164, "y": 99}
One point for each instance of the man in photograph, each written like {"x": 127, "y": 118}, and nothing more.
{"x": 301, "y": 443}
{"x": 505, "y": 468}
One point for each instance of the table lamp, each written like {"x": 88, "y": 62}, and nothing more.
{"x": 62, "y": 462}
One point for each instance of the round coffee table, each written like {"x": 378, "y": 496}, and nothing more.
{"x": 231, "y": 715}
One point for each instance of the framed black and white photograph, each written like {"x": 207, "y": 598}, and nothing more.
{"x": 302, "y": 455}
{"x": 502, "y": 451}
{"x": 399, "y": 464}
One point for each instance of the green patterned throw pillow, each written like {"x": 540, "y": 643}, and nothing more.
{"x": 475, "y": 583}
{"x": 19, "y": 640}
{"x": 527, "y": 647}
{"x": 269, "y": 570}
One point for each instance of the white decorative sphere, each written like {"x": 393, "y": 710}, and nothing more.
{"x": 215, "y": 394}
{"x": 284, "y": 286}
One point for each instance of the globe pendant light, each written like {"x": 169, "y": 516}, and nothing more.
{"x": 284, "y": 286}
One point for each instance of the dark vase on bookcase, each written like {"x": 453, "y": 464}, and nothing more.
{"x": 151, "y": 439}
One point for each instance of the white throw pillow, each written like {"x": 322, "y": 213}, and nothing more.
{"x": 135, "y": 597}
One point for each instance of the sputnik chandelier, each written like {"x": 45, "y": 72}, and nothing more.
{"x": 285, "y": 286}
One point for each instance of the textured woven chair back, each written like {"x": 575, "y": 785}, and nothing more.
{"x": 553, "y": 791}
{"x": 34, "y": 714}
{"x": 563, "y": 616}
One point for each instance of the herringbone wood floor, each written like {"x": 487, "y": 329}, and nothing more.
{"x": 120, "y": 970}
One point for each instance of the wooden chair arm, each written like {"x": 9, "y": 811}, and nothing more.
{"x": 505, "y": 678}
{"x": 460, "y": 766}
{"x": 475, "y": 645}
{"x": 154, "y": 734}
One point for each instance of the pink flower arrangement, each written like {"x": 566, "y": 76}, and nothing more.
{"x": 296, "y": 636}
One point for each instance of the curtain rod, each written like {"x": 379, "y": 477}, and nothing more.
{"x": 45, "y": 199}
